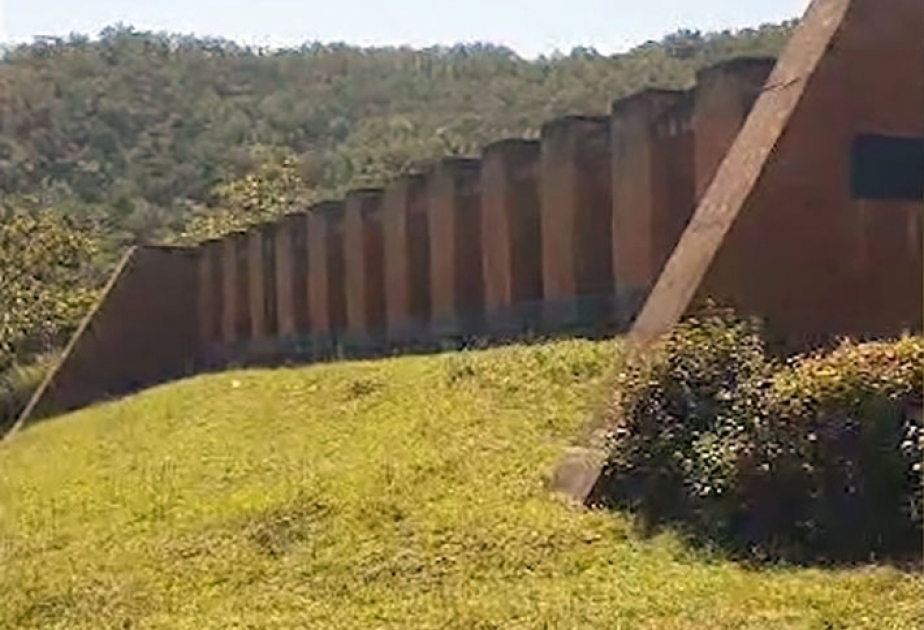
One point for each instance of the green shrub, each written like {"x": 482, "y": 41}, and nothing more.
{"x": 837, "y": 461}
{"x": 815, "y": 458}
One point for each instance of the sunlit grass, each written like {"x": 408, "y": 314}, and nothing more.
{"x": 406, "y": 493}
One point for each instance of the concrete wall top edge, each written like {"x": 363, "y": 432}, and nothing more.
{"x": 643, "y": 98}
{"x": 293, "y": 217}
{"x": 459, "y": 164}
{"x": 678, "y": 116}
{"x": 330, "y": 208}
{"x": 565, "y": 122}
{"x": 359, "y": 193}
{"x": 735, "y": 65}
{"x": 511, "y": 144}
{"x": 402, "y": 183}
{"x": 166, "y": 247}
{"x": 412, "y": 178}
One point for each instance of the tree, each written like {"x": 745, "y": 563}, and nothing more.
{"x": 45, "y": 281}
{"x": 273, "y": 189}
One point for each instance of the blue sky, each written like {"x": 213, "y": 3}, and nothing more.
{"x": 530, "y": 27}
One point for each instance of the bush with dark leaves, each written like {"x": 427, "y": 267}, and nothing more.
{"x": 815, "y": 458}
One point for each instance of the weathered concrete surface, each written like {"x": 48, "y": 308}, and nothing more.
{"x": 778, "y": 234}
{"x": 511, "y": 235}
{"x": 210, "y": 293}
{"x": 577, "y": 272}
{"x": 365, "y": 273}
{"x": 407, "y": 260}
{"x": 454, "y": 217}
{"x": 724, "y": 96}
{"x": 326, "y": 274}
{"x": 143, "y": 330}
{"x": 652, "y": 164}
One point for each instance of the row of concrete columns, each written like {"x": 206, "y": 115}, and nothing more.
{"x": 570, "y": 230}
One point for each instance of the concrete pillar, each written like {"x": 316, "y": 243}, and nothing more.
{"x": 290, "y": 284}
{"x": 511, "y": 235}
{"x": 326, "y": 275}
{"x": 365, "y": 282}
{"x": 725, "y": 94}
{"x": 577, "y": 274}
{"x": 649, "y": 194}
{"x": 270, "y": 310}
{"x": 210, "y": 295}
{"x": 456, "y": 284}
{"x": 256, "y": 284}
{"x": 407, "y": 260}
{"x": 284, "y": 281}
{"x": 235, "y": 292}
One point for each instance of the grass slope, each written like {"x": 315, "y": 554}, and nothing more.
{"x": 405, "y": 493}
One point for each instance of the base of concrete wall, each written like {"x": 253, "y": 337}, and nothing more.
{"x": 628, "y": 305}
{"x": 413, "y": 334}
{"x": 590, "y": 314}
{"x": 458, "y": 328}
{"x": 359, "y": 345}
{"x": 522, "y": 319}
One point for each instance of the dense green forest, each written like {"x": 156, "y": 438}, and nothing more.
{"x": 138, "y": 137}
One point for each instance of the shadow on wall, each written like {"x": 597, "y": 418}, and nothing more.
{"x": 141, "y": 332}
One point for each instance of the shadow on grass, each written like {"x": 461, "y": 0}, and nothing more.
{"x": 284, "y": 353}
{"x": 763, "y": 541}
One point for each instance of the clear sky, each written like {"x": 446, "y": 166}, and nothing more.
{"x": 530, "y": 27}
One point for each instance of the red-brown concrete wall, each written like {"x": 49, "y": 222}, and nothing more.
{"x": 270, "y": 289}
{"x": 210, "y": 294}
{"x": 576, "y": 217}
{"x": 290, "y": 234}
{"x": 407, "y": 258}
{"x": 652, "y": 161}
{"x": 674, "y": 154}
{"x": 364, "y": 247}
{"x": 725, "y": 95}
{"x": 235, "y": 289}
{"x": 298, "y": 226}
{"x": 803, "y": 252}
{"x": 326, "y": 269}
{"x": 143, "y": 331}
{"x": 256, "y": 285}
{"x": 511, "y": 228}
{"x": 284, "y": 281}
{"x": 456, "y": 284}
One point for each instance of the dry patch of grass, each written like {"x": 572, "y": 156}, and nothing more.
{"x": 406, "y": 493}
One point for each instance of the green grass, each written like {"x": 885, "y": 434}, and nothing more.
{"x": 406, "y": 493}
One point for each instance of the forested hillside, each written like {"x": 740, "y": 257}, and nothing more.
{"x": 138, "y": 137}
{"x": 140, "y": 127}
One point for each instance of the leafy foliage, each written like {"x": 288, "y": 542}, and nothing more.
{"x": 273, "y": 189}
{"x": 46, "y": 281}
{"x": 817, "y": 458}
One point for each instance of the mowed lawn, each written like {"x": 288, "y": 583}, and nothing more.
{"x": 404, "y": 493}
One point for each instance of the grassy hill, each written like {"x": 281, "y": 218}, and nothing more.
{"x": 405, "y": 493}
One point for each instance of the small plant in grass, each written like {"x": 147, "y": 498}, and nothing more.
{"x": 815, "y": 458}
